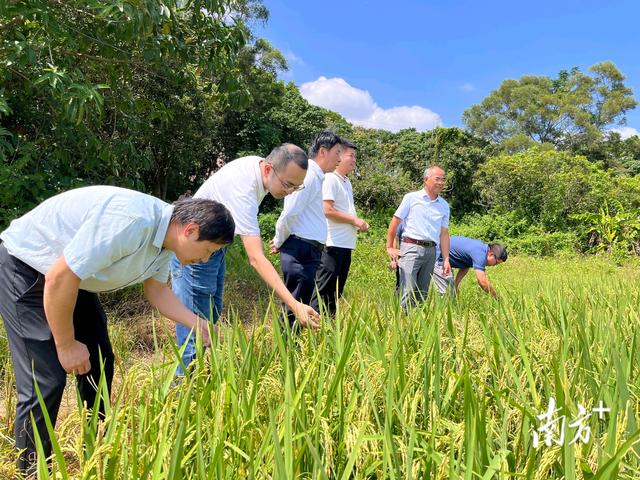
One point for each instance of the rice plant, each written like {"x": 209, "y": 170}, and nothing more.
{"x": 451, "y": 389}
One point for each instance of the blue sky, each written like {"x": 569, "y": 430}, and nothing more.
{"x": 393, "y": 64}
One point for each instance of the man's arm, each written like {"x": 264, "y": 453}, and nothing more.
{"x": 459, "y": 276}
{"x": 484, "y": 282}
{"x": 342, "y": 217}
{"x": 393, "y": 252}
{"x": 393, "y": 264}
{"x": 59, "y": 298}
{"x": 257, "y": 259}
{"x": 162, "y": 297}
{"x": 445, "y": 242}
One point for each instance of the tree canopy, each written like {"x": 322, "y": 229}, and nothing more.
{"x": 572, "y": 108}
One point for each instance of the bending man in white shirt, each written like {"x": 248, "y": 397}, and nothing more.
{"x": 241, "y": 185}
{"x": 342, "y": 227}
{"x": 301, "y": 229}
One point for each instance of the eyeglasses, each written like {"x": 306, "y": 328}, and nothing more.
{"x": 440, "y": 179}
{"x": 287, "y": 186}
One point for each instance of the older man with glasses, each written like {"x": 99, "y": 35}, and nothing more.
{"x": 241, "y": 185}
{"x": 426, "y": 224}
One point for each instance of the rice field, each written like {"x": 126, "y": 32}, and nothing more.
{"x": 454, "y": 389}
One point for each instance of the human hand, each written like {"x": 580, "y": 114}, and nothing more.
{"x": 393, "y": 264}
{"x": 272, "y": 247}
{"x": 446, "y": 267}
{"x": 202, "y": 326}
{"x": 306, "y": 315}
{"x": 394, "y": 253}
{"x": 361, "y": 225}
{"x": 74, "y": 357}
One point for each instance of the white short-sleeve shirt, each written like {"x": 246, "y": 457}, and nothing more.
{"x": 110, "y": 237}
{"x": 238, "y": 186}
{"x": 338, "y": 188}
{"x": 303, "y": 214}
{"x": 424, "y": 218}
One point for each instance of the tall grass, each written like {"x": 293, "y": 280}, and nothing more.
{"x": 450, "y": 390}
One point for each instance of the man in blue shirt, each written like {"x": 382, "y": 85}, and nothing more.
{"x": 55, "y": 259}
{"x": 466, "y": 253}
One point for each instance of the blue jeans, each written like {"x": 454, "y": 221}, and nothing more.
{"x": 199, "y": 287}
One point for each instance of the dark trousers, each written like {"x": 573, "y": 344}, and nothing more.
{"x": 331, "y": 277}
{"x": 34, "y": 353}
{"x": 299, "y": 262}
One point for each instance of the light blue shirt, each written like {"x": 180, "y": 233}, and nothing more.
{"x": 423, "y": 218}
{"x": 303, "y": 212}
{"x": 110, "y": 237}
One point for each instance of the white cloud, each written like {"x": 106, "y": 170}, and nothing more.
{"x": 467, "y": 87}
{"x": 360, "y": 108}
{"x": 626, "y": 132}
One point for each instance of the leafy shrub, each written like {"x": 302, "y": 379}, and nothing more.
{"x": 379, "y": 189}
{"x": 543, "y": 186}
{"x": 267, "y": 222}
{"x": 517, "y": 234}
{"x": 492, "y": 227}
{"x": 544, "y": 244}
{"x": 613, "y": 229}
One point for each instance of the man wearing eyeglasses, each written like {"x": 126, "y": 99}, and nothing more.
{"x": 301, "y": 229}
{"x": 241, "y": 185}
{"x": 426, "y": 218}
{"x": 466, "y": 253}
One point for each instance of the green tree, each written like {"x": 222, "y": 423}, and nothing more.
{"x": 300, "y": 122}
{"x": 563, "y": 111}
{"x": 546, "y": 187}
{"x": 403, "y": 157}
{"x": 114, "y": 92}
{"x": 621, "y": 156}
{"x": 461, "y": 155}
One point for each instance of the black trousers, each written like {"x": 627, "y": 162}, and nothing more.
{"x": 331, "y": 277}
{"x": 34, "y": 353}
{"x": 299, "y": 261}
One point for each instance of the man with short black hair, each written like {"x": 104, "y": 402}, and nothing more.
{"x": 426, "y": 219}
{"x": 56, "y": 258}
{"x": 241, "y": 185}
{"x": 342, "y": 227}
{"x": 301, "y": 229}
{"x": 466, "y": 253}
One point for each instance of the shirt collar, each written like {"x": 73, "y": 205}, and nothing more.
{"x": 341, "y": 177}
{"x": 426, "y": 195}
{"x": 163, "y": 226}
{"x": 313, "y": 165}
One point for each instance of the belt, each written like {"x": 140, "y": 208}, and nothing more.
{"x": 422, "y": 243}
{"x": 313, "y": 243}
